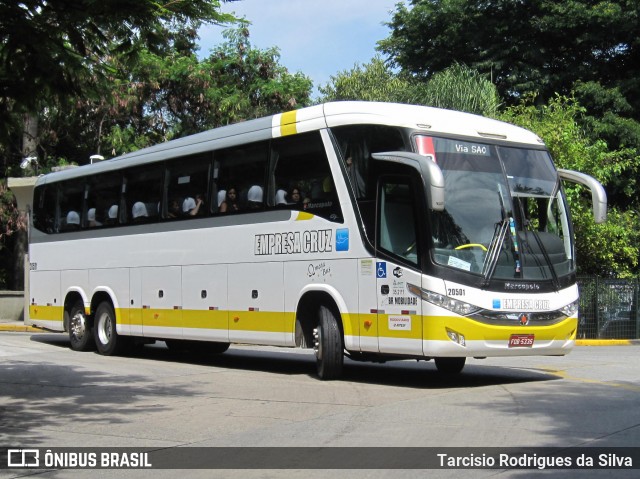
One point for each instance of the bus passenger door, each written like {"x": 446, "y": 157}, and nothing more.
{"x": 399, "y": 312}
{"x": 162, "y": 302}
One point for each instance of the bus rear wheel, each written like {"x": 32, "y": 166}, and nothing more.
{"x": 80, "y": 331}
{"x": 328, "y": 345}
{"x": 450, "y": 366}
{"x": 108, "y": 342}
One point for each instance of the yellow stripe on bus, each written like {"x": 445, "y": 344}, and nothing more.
{"x": 435, "y": 328}
{"x": 288, "y": 123}
{"x": 49, "y": 313}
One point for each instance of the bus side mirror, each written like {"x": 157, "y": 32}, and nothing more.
{"x": 598, "y": 195}
{"x": 430, "y": 174}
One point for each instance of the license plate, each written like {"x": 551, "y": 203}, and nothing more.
{"x": 521, "y": 340}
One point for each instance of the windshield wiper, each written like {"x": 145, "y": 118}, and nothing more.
{"x": 543, "y": 250}
{"x": 493, "y": 253}
{"x": 545, "y": 255}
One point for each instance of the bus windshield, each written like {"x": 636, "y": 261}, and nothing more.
{"x": 505, "y": 216}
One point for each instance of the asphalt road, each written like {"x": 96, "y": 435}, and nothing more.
{"x": 53, "y": 397}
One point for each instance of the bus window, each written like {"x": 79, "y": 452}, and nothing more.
{"x": 302, "y": 178}
{"x": 44, "y": 208}
{"x": 142, "y": 193}
{"x": 187, "y": 190}
{"x": 357, "y": 143}
{"x": 243, "y": 170}
{"x": 397, "y": 219}
{"x": 71, "y": 205}
{"x": 103, "y": 199}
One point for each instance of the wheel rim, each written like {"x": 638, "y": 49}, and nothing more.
{"x": 318, "y": 343}
{"x": 104, "y": 328}
{"x": 78, "y": 326}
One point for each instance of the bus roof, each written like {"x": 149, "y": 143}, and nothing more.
{"x": 431, "y": 120}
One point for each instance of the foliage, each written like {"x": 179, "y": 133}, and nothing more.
{"x": 609, "y": 249}
{"x": 11, "y": 222}
{"x": 374, "y": 81}
{"x": 10, "y": 218}
{"x": 169, "y": 95}
{"x": 236, "y": 82}
{"x": 50, "y": 49}
{"x": 461, "y": 88}
{"x": 456, "y": 88}
{"x": 538, "y": 46}
{"x": 58, "y": 56}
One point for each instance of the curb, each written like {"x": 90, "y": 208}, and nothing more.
{"x": 606, "y": 342}
{"x": 20, "y": 328}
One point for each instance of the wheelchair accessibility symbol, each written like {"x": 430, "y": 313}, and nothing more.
{"x": 381, "y": 269}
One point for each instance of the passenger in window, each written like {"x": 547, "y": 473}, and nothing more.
{"x": 73, "y": 221}
{"x": 230, "y": 204}
{"x": 222, "y": 195}
{"x": 254, "y": 197}
{"x": 139, "y": 212}
{"x": 112, "y": 215}
{"x": 281, "y": 198}
{"x": 296, "y": 196}
{"x": 191, "y": 207}
{"x": 91, "y": 218}
{"x": 174, "y": 209}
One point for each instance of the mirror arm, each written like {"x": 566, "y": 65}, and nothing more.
{"x": 598, "y": 195}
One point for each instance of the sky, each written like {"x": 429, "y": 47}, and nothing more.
{"x": 319, "y": 38}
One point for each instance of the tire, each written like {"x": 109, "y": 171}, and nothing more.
{"x": 450, "y": 366}
{"x": 80, "y": 330}
{"x": 108, "y": 342}
{"x": 217, "y": 348}
{"x": 328, "y": 345}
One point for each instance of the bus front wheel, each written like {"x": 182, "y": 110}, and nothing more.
{"x": 328, "y": 345}
{"x": 450, "y": 366}
{"x": 108, "y": 342}
{"x": 80, "y": 332}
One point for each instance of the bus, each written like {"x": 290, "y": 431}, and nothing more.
{"x": 372, "y": 231}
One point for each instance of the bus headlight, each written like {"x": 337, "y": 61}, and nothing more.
{"x": 446, "y": 302}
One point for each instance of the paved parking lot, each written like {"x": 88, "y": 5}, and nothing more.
{"x": 51, "y": 396}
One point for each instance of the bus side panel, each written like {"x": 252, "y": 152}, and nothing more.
{"x": 162, "y": 302}
{"x": 204, "y": 300}
{"x": 339, "y": 279}
{"x": 75, "y": 280}
{"x": 116, "y": 282}
{"x": 135, "y": 301}
{"x": 256, "y": 303}
{"x": 47, "y": 307}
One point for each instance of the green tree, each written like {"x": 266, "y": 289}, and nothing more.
{"x": 374, "y": 81}
{"x": 456, "y": 88}
{"x": 461, "y": 88}
{"x": 540, "y": 46}
{"x": 11, "y": 223}
{"x": 175, "y": 94}
{"x": 51, "y": 50}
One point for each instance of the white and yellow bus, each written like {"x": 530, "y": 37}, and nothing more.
{"x": 367, "y": 230}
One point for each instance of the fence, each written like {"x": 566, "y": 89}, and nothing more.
{"x": 608, "y": 308}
